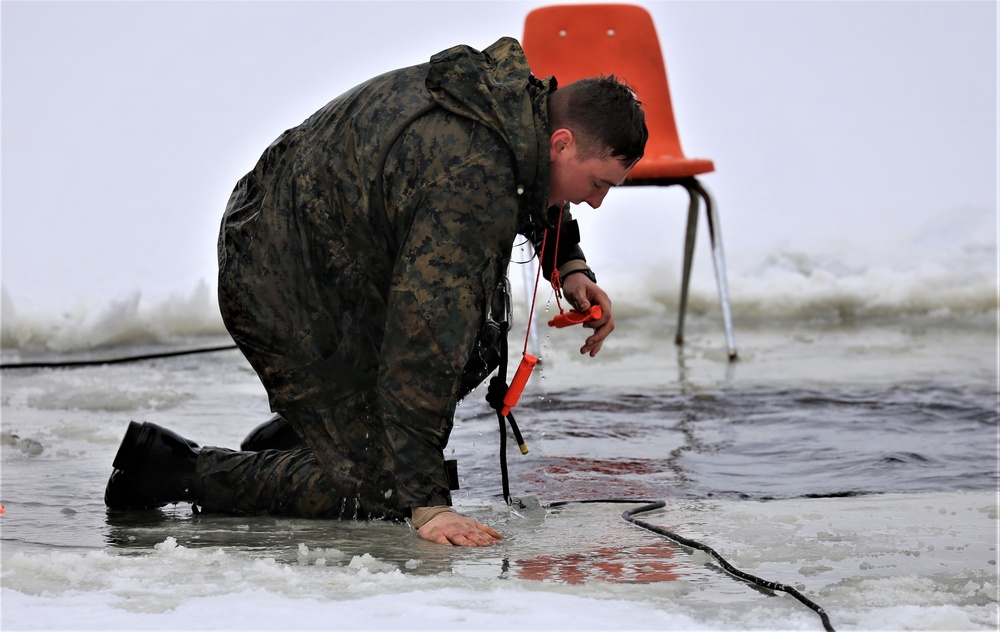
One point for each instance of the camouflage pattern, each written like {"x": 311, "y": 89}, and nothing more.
{"x": 356, "y": 263}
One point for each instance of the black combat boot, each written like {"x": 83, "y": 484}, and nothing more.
{"x": 274, "y": 434}
{"x": 154, "y": 467}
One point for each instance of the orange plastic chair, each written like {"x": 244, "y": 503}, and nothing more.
{"x": 571, "y": 42}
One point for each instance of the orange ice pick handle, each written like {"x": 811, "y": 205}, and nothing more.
{"x": 528, "y": 362}
{"x": 574, "y": 317}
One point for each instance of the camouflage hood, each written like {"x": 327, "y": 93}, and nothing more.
{"x": 495, "y": 87}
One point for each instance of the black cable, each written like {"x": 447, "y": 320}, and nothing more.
{"x": 599, "y": 501}
{"x": 629, "y": 516}
{"x": 65, "y": 364}
{"x": 495, "y": 394}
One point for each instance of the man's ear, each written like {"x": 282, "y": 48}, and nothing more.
{"x": 560, "y": 141}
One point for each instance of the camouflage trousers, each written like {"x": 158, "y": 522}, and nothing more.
{"x": 348, "y": 474}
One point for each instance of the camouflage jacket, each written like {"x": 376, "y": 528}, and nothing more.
{"x": 356, "y": 260}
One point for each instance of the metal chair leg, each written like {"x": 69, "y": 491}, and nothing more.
{"x": 719, "y": 259}
{"x": 692, "y": 230}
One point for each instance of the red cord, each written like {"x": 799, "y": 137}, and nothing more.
{"x": 534, "y": 295}
{"x": 555, "y": 280}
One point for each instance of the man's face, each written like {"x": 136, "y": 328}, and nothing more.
{"x": 577, "y": 180}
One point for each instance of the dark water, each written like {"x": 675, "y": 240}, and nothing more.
{"x": 757, "y": 443}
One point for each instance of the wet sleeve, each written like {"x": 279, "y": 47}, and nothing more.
{"x": 447, "y": 262}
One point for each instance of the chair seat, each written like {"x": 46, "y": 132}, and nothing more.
{"x": 659, "y": 167}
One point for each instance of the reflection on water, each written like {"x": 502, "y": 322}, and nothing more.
{"x": 624, "y": 564}
{"x": 564, "y": 546}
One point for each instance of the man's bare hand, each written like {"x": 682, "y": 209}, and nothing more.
{"x": 452, "y": 529}
{"x": 581, "y": 292}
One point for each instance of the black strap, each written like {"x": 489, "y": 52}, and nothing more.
{"x": 494, "y": 397}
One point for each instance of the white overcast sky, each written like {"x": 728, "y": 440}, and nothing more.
{"x": 126, "y": 124}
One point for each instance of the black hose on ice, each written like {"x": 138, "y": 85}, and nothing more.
{"x": 68, "y": 364}
{"x": 692, "y": 544}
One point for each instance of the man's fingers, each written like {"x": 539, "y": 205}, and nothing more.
{"x": 592, "y": 349}
{"x": 594, "y": 342}
{"x": 482, "y": 536}
{"x": 453, "y": 529}
{"x": 471, "y": 539}
{"x": 491, "y": 532}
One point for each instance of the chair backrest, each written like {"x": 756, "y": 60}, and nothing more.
{"x": 586, "y": 40}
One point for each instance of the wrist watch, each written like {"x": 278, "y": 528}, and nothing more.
{"x": 587, "y": 272}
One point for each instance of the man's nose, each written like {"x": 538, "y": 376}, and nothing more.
{"x": 595, "y": 200}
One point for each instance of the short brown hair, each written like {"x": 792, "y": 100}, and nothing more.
{"x": 604, "y": 115}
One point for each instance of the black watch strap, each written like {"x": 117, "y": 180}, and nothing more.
{"x": 584, "y": 271}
